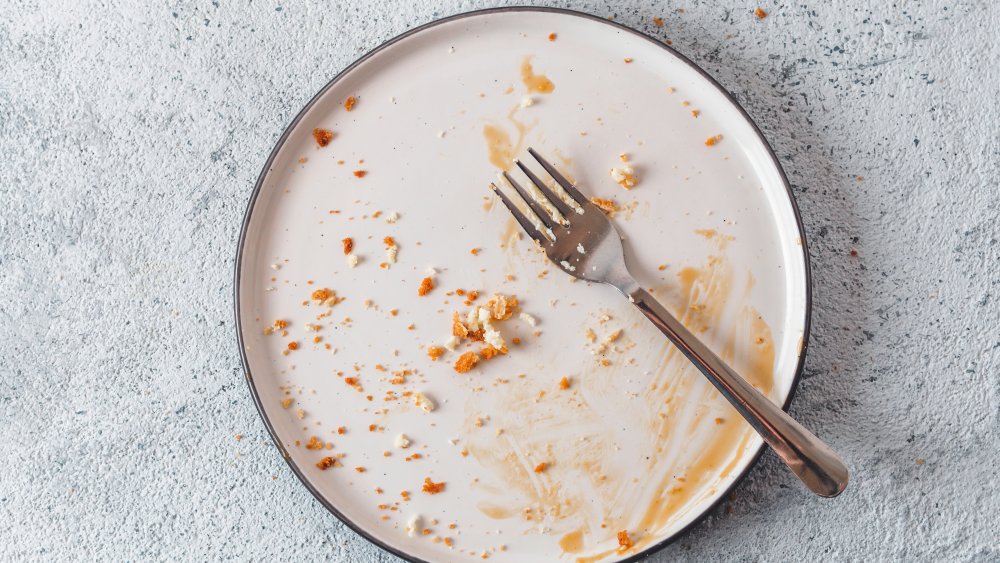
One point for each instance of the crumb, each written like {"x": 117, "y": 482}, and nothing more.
{"x": 326, "y": 463}
{"x": 322, "y": 136}
{"x": 285, "y": 403}
{"x": 239, "y": 437}
{"x": 718, "y": 420}
{"x": 661, "y": 267}
{"x": 528, "y": 318}
{"x": 349, "y": 103}
{"x": 360, "y": 173}
{"x": 314, "y": 443}
{"x": 341, "y": 430}
{"x": 624, "y": 541}
{"x": 435, "y": 352}
{"x": 624, "y": 176}
{"x": 695, "y": 112}
{"x": 412, "y": 525}
{"x": 590, "y": 335}
{"x": 293, "y": 345}
{"x": 423, "y": 402}
{"x": 713, "y": 140}
{"x": 474, "y": 252}
{"x": 527, "y": 102}
{"x": 352, "y": 260}
{"x": 516, "y": 341}
{"x": 489, "y": 353}
{"x": 426, "y": 285}
{"x": 760, "y": 13}
{"x": 348, "y": 246}
{"x": 552, "y": 37}
{"x": 466, "y": 362}
{"x": 360, "y": 469}
{"x": 607, "y": 205}
{"x": 392, "y": 217}
{"x": 628, "y": 60}
{"x": 541, "y": 467}
{"x": 402, "y": 441}
{"x": 658, "y": 22}
{"x": 564, "y": 383}
{"x": 431, "y": 487}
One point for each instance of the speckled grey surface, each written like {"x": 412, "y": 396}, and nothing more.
{"x": 130, "y": 139}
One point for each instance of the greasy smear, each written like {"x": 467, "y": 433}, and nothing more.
{"x": 501, "y": 150}
{"x": 535, "y": 83}
{"x": 600, "y": 479}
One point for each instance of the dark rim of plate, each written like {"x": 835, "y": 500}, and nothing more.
{"x": 291, "y": 126}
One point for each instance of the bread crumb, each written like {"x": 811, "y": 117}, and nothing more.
{"x": 760, "y": 13}
{"x": 360, "y": 173}
{"x": 412, "y": 525}
{"x": 564, "y": 383}
{"x": 541, "y": 467}
{"x": 466, "y": 362}
{"x": 713, "y": 140}
{"x": 285, "y": 403}
{"x": 527, "y": 102}
{"x": 426, "y": 285}
{"x": 352, "y": 260}
{"x": 624, "y": 176}
{"x": 552, "y": 37}
{"x": 392, "y": 217}
{"x": 431, "y": 487}
{"x": 528, "y": 318}
{"x": 423, "y": 402}
{"x": 624, "y": 541}
{"x": 402, "y": 441}
{"x": 326, "y": 463}
{"x": 628, "y": 60}
{"x": 348, "y": 245}
{"x": 349, "y": 103}
{"x": 607, "y": 205}
{"x": 435, "y": 352}
{"x": 322, "y": 136}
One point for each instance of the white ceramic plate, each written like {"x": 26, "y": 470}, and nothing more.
{"x": 642, "y": 444}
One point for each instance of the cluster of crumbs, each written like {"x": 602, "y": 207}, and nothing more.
{"x": 477, "y": 326}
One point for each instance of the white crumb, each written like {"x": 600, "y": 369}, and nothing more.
{"x": 352, "y": 260}
{"x": 402, "y": 441}
{"x": 527, "y": 102}
{"x": 423, "y": 402}
{"x": 528, "y": 318}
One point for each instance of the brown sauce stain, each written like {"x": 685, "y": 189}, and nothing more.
{"x": 498, "y": 144}
{"x": 537, "y": 83}
{"x": 572, "y": 542}
{"x": 495, "y": 512}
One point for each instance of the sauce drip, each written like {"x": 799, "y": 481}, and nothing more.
{"x": 538, "y": 83}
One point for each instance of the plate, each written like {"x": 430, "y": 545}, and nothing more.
{"x": 592, "y": 431}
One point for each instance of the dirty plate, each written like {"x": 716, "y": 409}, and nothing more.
{"x": 592, "y": 439}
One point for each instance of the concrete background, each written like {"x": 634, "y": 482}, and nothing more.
{"x": 130, "y": 137}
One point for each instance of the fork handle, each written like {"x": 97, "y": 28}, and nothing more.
{"x": 812, "y": 461}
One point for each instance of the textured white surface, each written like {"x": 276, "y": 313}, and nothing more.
{"x": 131, "y": 137}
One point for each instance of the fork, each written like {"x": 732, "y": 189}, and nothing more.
{"x": 577, "y": 236}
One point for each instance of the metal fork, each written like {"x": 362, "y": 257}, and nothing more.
{"x": 579, "y": 237}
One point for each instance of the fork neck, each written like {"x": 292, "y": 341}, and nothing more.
{"x": 625, "y": 283}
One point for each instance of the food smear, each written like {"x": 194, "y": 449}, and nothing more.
{"x": 591, "y": 489}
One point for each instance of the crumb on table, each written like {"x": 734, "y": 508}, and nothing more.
{"x": 431, "y": 487}
{"x": 466, "y": 362}
{"x": 348, "y": 245}
{"x": 426, "y": 285}
{"x": 624, "y": 541}
{"x": 322, "y": 136}
{"x": 349, "y": 103}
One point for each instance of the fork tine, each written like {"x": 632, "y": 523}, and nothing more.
{"x": 566, "y": 184}
{"x": 553, "y": 197}
{"x": 536, "y": 208}
{"x": 525, "y": 223}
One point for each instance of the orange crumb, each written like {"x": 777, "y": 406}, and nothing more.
{"x": 760, "y": 13}
{"x": 389, "y": 241}
{"x": 348, "y": 245}
{"x": 658, "y": 22}
{"x": 431, "y": 487}
{"x": 360, "y": 173}
{"x": 359, "y": 469}
{"x": 351, "y": 380}
{"x": 394, "y": 312}
{"x": 605, "y": 362}
{"x": 349, "y": 103}
{"x": 489, "y": 353}
{"x": 326, "y": 463}
{"x": 474, "y": 252}
{"x": 293, "y": 345}
{"x": 466, "y": 362}
{"x": 341, "y": 430}
{"x": 718, "y": 420}
{"x": 322, "y": 136}
{"x": 314, "y": 443}
{"x": 435, "y": 352}
{"x": 628, "y": 60}
{"x": 661, "y": 267}
{"x": 541, "y": 467}
{"x": 564, "y": 383}
{"x": 280, "y": 324}
{"x": 516, "y": 341}
{"x": 372, "y": 427}
{"x": 426, "y": 285}
{"x": 322, "y": 294}
{"x": 606, "y": 205}
{"x": 695, "y": 112}
{"x": 624, "y": 540}
{"x": 552, "y": 37}
{"x": 712, "y": 140}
